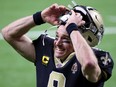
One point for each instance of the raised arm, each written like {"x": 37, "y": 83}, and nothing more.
{"x": 86, "y": 57}
{"x": 84, "y": 53}
{"x": 14, "y": 33}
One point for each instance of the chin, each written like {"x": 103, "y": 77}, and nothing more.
{"x": 58, "y": 56}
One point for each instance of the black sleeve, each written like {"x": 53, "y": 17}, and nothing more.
{"x": 105, "y": 62}
{"x": 42, "y": 40}
{"x": 38, "y": 40}
{"x": 40, "y": 44}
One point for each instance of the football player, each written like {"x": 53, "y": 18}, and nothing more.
{"x": 69, "y": 60}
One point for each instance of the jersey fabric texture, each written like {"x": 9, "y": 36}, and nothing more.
{"x": 70, "y": 75}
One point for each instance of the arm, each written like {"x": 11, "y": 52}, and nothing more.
{"x": 14, "y": 33}
{"x": 84, "y": 53}
{"x": 86, "y": 57}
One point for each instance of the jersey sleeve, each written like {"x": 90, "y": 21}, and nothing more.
{"x": 106, "y": 64}
{"x": 40, "y": 45}
{"x": 42, "y": 40}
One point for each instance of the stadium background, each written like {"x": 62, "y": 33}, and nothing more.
{"x": 15, "y": 71}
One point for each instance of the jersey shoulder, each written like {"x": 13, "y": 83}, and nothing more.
{"x": 105, "y": 62}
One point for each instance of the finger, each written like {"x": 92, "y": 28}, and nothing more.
{"x": 72, "y": 12}
{"x": 78, "y": 14}
{"x": 55, "y": 23}
{"x": 61, "y": 7}
{"x": 83, "y": 22}
{"x": 54, "y": 6}
{"x": 81, "y": 17}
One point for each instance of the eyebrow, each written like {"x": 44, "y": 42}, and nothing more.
{"x": 66, "y": 36}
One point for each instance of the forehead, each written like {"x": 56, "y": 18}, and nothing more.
{"x": 61, "y": 30}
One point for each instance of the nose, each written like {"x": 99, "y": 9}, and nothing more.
{"x": 58, "y": 42}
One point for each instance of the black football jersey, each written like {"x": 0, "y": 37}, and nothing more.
{"x": 70, "y": 75}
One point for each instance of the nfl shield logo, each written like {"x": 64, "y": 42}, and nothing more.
{"x": 74, "y": 68}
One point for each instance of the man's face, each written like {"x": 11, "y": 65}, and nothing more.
{"x": 62, "y": 44}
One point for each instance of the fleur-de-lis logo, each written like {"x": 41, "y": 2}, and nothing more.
{"x": 105, "y": 60}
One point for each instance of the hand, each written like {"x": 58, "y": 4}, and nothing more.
{"x": 75, "y": 18}
{"x": 51, "y": 14}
